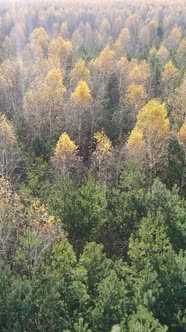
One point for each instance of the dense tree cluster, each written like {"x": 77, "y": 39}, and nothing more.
{"x": 92, "y": 166}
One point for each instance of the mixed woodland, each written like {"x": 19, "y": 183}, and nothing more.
{"x": 93, "y": 166}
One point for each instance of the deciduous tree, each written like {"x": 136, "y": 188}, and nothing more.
{"x": 147, "y": 140}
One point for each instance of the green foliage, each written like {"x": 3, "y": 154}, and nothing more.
{"x": 37, "y": 182}
{"x": 41, "y": 146}
{"x": 143, "y": 321}
{"x": 160, "y": 271}
{"x": 91, "y": 240}
{"x": 83, "y": 210}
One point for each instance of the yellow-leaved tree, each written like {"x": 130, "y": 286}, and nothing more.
{"x": 174, "y": 38}
{"x": 65, "y": 157}
{"x": 25, "y": 232}
{"x": 140, "y": 73}
{"x": 121, "y": 44}
{"x": 11, "y": 219}
{"x": 169, "y": 76}
{"x": 79, "y": 72}
{"x": 39, "y": 41}
{"x": 103, "y": 64}
{"x": 82, "y": 93}
{"x": 43, "y": 102}
{"x": 162, "y": 55}
{"x": 136, "y": 96}
{"x": 80, "y": 104}
{"x": 147, "y": 141}
{"x": 182, "y": 136}
{"x": 10, "y": 155}
{"x": 59, "y": 50}
{"x": 181, "y": 53}
{"x": 11, "y": 87}
{"x": 102, "y": 157}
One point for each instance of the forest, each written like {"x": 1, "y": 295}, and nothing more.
{"x": 92, "y": 166}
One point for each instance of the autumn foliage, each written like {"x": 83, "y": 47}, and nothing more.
{"x": 92, "y": 165}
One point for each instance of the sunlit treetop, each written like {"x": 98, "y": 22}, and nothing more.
{"x": 123, "y": 66}
{"x": 152, "y": 51}
{"x": 136, "y": 142}
{"x": 181, "y": 53}
{"x": 54, "y": 80}
{"x": 82, "y": 92}
{"x": 104, "y": 62}
{"x": 123, "y": 40}
{"x": 174, "y": 38}
{"x": 65, "y": 148}
{"x": 136, "y": 95}
{"x": 144, "y": 35}
{"x": 162, "y": 54}
{"x": 169, "y": 71}
{"x": 136, "y": 74}
{"x": 182, "y": 135}
{"x": 80, "y": 72}
{"x": 103, "y": 144}
{"x": 77, "y": 39}
{"x": 132, "y": 23}
{"x": 64, "y": 30}
{"x": 7, "y": 135}
{"x": 59, "y": 49}
{"x": 147, "y": 141}
{"x": 39, "y": 36}
{"x": 140, "y": 72}
{"x": 152, "y": 119}
{"x": 105, "y": 26}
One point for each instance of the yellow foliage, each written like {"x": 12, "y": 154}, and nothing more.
{"x": 182, "y": 47}
{"x": 103, "y": 144}
{"x": 54, "y": 83}
{"x": 124, "y": 36}
{"x": 136, "y": 74}
{"x": 140, "y": 73}
{"x": 144, "y": 35}
{"x": 136, "y": 95}
{"x": 163, "y": 54}
{"x": 40, "y": 37}
{"x": 123, "y": 40}
{"x": 176, "y": 33}
{"x": 123, "y": 66}
{"x": 11, "y": 217}
{"x": 65, "y": 148}
{"x": 169, "y": 71}
{"x": 102, "y": 157}
{"x": 82, "y": 92}
{"x": 80, "y": 72}
{"x": 59, "y": 49}
{"x": 136, "y": 142}
{"x": 10, "y": 205}
{"x": 7, "y": 136}
{"x": 43, "y": 102}
{"x": 146, "y": 142}
{"x": 41, "y": 222}
{"x": 182, "y": 135}
{"x": 181, "y": 53}
{"x": 64, "y": 30}
{"x": 104, "y": 62}
{"x": 174, "y": 38}
{"x": 152, "y": 51}
{"x": 105, "y": 26}
{"x": 152, "y": 120}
